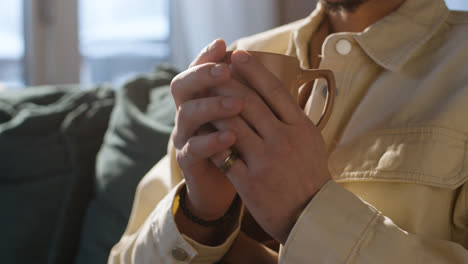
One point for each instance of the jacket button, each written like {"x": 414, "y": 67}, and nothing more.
{"x": 179, "y": 254}
{"x": 343, "y": 46}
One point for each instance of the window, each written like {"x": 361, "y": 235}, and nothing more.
{"x": 119, "y": 38}
{"x": 83, "y": 41}
{"x": 457, "y": 4}
{"x": 12, "y": 46}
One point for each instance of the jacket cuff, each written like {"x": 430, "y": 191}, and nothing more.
{"x": 330, "y": 228}
{"x": 180, "y": 248}
{"x": 207, "y": 254}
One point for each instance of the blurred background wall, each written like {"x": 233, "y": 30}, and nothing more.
{"x": 197, "y": 23}
{"x": 291, "y": 10}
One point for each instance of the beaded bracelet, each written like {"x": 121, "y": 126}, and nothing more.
{"x": 207, "y": 223}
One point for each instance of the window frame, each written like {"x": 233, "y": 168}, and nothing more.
{"x": 51, "y": 42}
{"x": 52, "y": 53}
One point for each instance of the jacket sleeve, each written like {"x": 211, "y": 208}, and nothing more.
{"x": 152, "y": 235}
{"x": 338, "y": 227}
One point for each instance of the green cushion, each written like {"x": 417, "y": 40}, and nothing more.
{"x": 49, "y": 137}
{"x": 136, "y": 139}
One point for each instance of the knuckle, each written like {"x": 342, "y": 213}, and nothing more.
{"x": 180, "y": 121}
{"x": 188, "y": 76}
{"x": 178, "y": 116}
{"x": 181, "y": 112}
{"x": 191, "y": 149}
{"x": 249, "y": 98}
{"x": 201, "y": 71}
{"x": 180, "y": 158}
{"x": 175, "y": 84}
{"x": 177, "y": 139}
{"x": 200, "y": 106}
{"x": 208, "y": 106}
{"x": 218, "y": 103}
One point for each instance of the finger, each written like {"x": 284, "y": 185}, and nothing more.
{"x": 268, "y": 86}
{"x": 255, "y": 112}
{"x": 214, "y": 52}
{"x": 202, "y": 147}
{"x": 248, "y": 144}
{"x": 192, "y": 114}
{"x": 219, "y": 157}
{"x": 205, "y": 129}
{"x": 238, "y": 169}
{"x": 198, "y": 79}
{"x": 237, "y": 173}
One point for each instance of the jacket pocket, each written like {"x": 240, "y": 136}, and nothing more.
{"x": 422, "y": 155}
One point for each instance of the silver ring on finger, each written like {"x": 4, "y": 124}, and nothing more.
{"x": 227, "y": 163}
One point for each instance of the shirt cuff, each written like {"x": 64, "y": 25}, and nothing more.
{"x": 176, "y": 246}
{"x": 330, "y": 228}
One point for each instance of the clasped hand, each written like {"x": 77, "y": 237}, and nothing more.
{"x": 283, "y": 158}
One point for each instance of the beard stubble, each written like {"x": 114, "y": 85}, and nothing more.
{"x": 342, "y": 5}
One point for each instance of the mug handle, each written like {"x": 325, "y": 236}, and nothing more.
{"x": 307, "y": 76}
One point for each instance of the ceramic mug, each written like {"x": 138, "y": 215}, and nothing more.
{"x": 287, "y": 69}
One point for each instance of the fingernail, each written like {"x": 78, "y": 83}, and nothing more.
{"x": 241, "y": 57}
{"x": 230, "y": 103}
{"x": 218, "y": 70}
{"x": 225, "y": 136}
{"x": 212, "y": 46}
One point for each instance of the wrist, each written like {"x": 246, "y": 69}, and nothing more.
{"x": 205, "y": 235}
{"x": 296, "y": 213}
{"x": 227, "y": 216}
{"x": 211, "y": 208}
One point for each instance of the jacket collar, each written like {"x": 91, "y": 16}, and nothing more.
{"x": 391, "y": 41}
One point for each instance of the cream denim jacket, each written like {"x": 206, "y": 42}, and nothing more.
{"x": 397, "y": 142}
